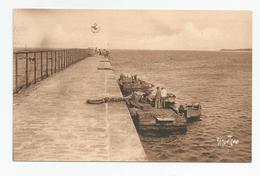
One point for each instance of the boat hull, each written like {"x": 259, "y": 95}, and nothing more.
{"x": 193, "y": 113}
{"x": 158, "y": 122}
{"x": 161, "y": 130}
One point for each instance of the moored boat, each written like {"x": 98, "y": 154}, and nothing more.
{"x": 156, "y": 121}
{"x": 192, "y": 112}
{"x": 130, "y": 84}
{"x": 159, "y": 122}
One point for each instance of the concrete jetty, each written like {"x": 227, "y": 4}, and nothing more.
{"x": 52, "y": 122}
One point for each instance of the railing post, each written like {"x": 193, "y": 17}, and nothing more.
{"x": 69, "y": 57}
{"x": 55, "y": 61}
{"x": 47, "y": 62}
{"x": 26, "y": 70}
{"x": 59, "y": 60}
{"x": 16, "y": 72}
{"x": 35, "y": 76}
{"x": 41, "y": 65}
{"x": 67, "y": 54}
{"x": 64, "y": 59}
{"x": 73, "y": 57}
{"x": 68, "y": 61}
{"x": 60, "y": 64}
{"x": 51, "y": 62}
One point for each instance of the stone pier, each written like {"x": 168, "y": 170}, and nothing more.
{"x": 52, "y": 122}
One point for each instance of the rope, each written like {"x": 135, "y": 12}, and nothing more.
{"x": 105, "y": 100}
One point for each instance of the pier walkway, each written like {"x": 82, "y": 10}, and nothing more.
{"x": 52, "y": 122}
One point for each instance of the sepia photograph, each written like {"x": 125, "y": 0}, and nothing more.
{"x": 132, "y": 85}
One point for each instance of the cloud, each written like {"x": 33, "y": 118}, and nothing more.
{"x": 160, "y": 28}
{"x": 133, "y": 29}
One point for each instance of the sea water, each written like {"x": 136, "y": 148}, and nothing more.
{"x": 220, "y": 81}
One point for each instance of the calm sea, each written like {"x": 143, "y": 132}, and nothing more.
{"x": 220, "y": 81}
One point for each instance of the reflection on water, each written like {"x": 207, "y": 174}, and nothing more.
{"x": 220, "y": 81}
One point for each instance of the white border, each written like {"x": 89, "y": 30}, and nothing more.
{"x": 8, "y": 167}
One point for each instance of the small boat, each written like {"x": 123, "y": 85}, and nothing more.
{"x": 128, "y": 85}
{"x": 192, "y": 112}
{"x": 159, "y": 122}
{"x": 149, "y": 120}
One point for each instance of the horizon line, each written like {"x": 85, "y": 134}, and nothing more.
{"x": 223, "y": 49}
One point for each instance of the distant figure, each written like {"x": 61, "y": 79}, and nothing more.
{"x": 158, "y": 98}
{"x": 107, "y": 53}
{"x": 103, "y": 52}
{"x": 121, "y": 76}
{"x": 135, "y": 77}
{"x": 163, "y": 96}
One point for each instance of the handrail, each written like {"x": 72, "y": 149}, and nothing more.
{"x": 32, "y": 66}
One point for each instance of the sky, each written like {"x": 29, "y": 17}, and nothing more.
{"x": 133, "y": 29}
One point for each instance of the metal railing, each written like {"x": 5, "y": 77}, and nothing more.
{"x": 35, "y": 65}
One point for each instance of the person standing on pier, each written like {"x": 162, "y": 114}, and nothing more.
{"x": 135, "y": 78}
{"x": 158, "y": 98}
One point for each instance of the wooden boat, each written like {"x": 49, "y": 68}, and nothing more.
{"x": 152, "y": 121}
{"x": 192, "y": 112}
{"x": 128, "y": 85}
{"x": 159, "y": 122}
{"x": 149, "y": 120}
